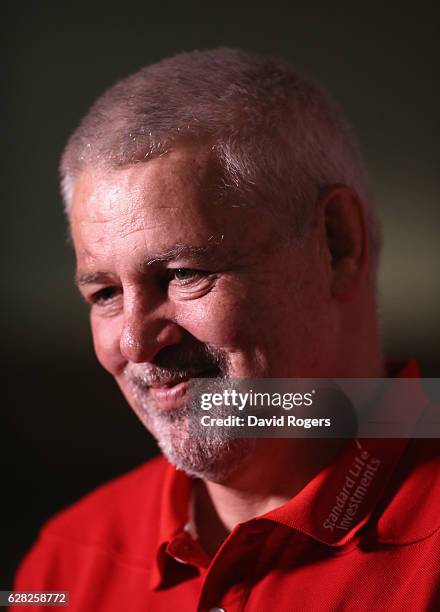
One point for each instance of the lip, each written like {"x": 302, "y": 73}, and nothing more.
{"x": 169, "y": 396}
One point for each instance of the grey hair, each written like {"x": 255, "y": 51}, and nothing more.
{"x": 279, "y": 138}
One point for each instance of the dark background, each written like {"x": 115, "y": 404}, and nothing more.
{"x": 65, "y": 428}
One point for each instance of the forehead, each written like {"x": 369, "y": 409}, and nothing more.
{"x": 101, "y": 195}
{"x": 166, "y": 201}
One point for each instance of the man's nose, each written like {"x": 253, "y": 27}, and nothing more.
{"x": 146, "y": 333}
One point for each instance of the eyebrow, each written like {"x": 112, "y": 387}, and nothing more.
{"x": 178, "y": 251}
{"x": 91, "y": 278}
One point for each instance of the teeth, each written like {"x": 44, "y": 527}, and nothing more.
{"x": 175, "y": 381}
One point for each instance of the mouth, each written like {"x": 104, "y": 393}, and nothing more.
{"x": 170, "y": 394}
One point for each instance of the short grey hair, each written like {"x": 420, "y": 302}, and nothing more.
{"x": 279, "y": 139}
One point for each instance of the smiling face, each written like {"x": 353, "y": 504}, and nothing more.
{"x": 182, "y": 284}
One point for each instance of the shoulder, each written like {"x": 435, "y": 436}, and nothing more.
{"x": 116, "y": 517}
{"x": 409, "y": 512}
{"x": 122, "y": 501}
{"x": 115, "y": 524}
{"x": 122, "y": 495}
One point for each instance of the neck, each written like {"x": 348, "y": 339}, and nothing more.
{"x": 276, "y": 471}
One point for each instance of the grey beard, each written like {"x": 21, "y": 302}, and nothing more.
{"x": 208, "y": 453}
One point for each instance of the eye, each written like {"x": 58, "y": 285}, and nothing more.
{"x": 103, "y": 296}
{"x": 187, "y": 275}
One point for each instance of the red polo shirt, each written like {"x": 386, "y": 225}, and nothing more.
{"x": 362, "y": 535}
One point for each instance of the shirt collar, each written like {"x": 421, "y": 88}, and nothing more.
{"x": 331, "y": 508}
{"x": 341, "y": 498}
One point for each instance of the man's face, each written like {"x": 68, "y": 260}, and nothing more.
{"x": 182, "y": 284}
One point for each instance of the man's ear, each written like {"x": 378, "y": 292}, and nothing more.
{"x": 346, "y": 240}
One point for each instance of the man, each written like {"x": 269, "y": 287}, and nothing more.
{"x": 223, "y": 229}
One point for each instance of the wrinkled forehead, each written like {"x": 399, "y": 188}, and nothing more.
{"x": 100, "y": 193}
{"x": 163, "y": 202}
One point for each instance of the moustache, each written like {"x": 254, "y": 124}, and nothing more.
{"x": 172, "y": 365}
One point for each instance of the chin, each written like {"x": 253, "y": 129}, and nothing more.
{"x": 213, "y": 457}
{"x": 210, "y": 454}
{"x": 218, "y": 468}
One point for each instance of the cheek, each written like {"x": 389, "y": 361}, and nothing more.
{"x": 106, "y": 335}
{"x": 225, "y": 319}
